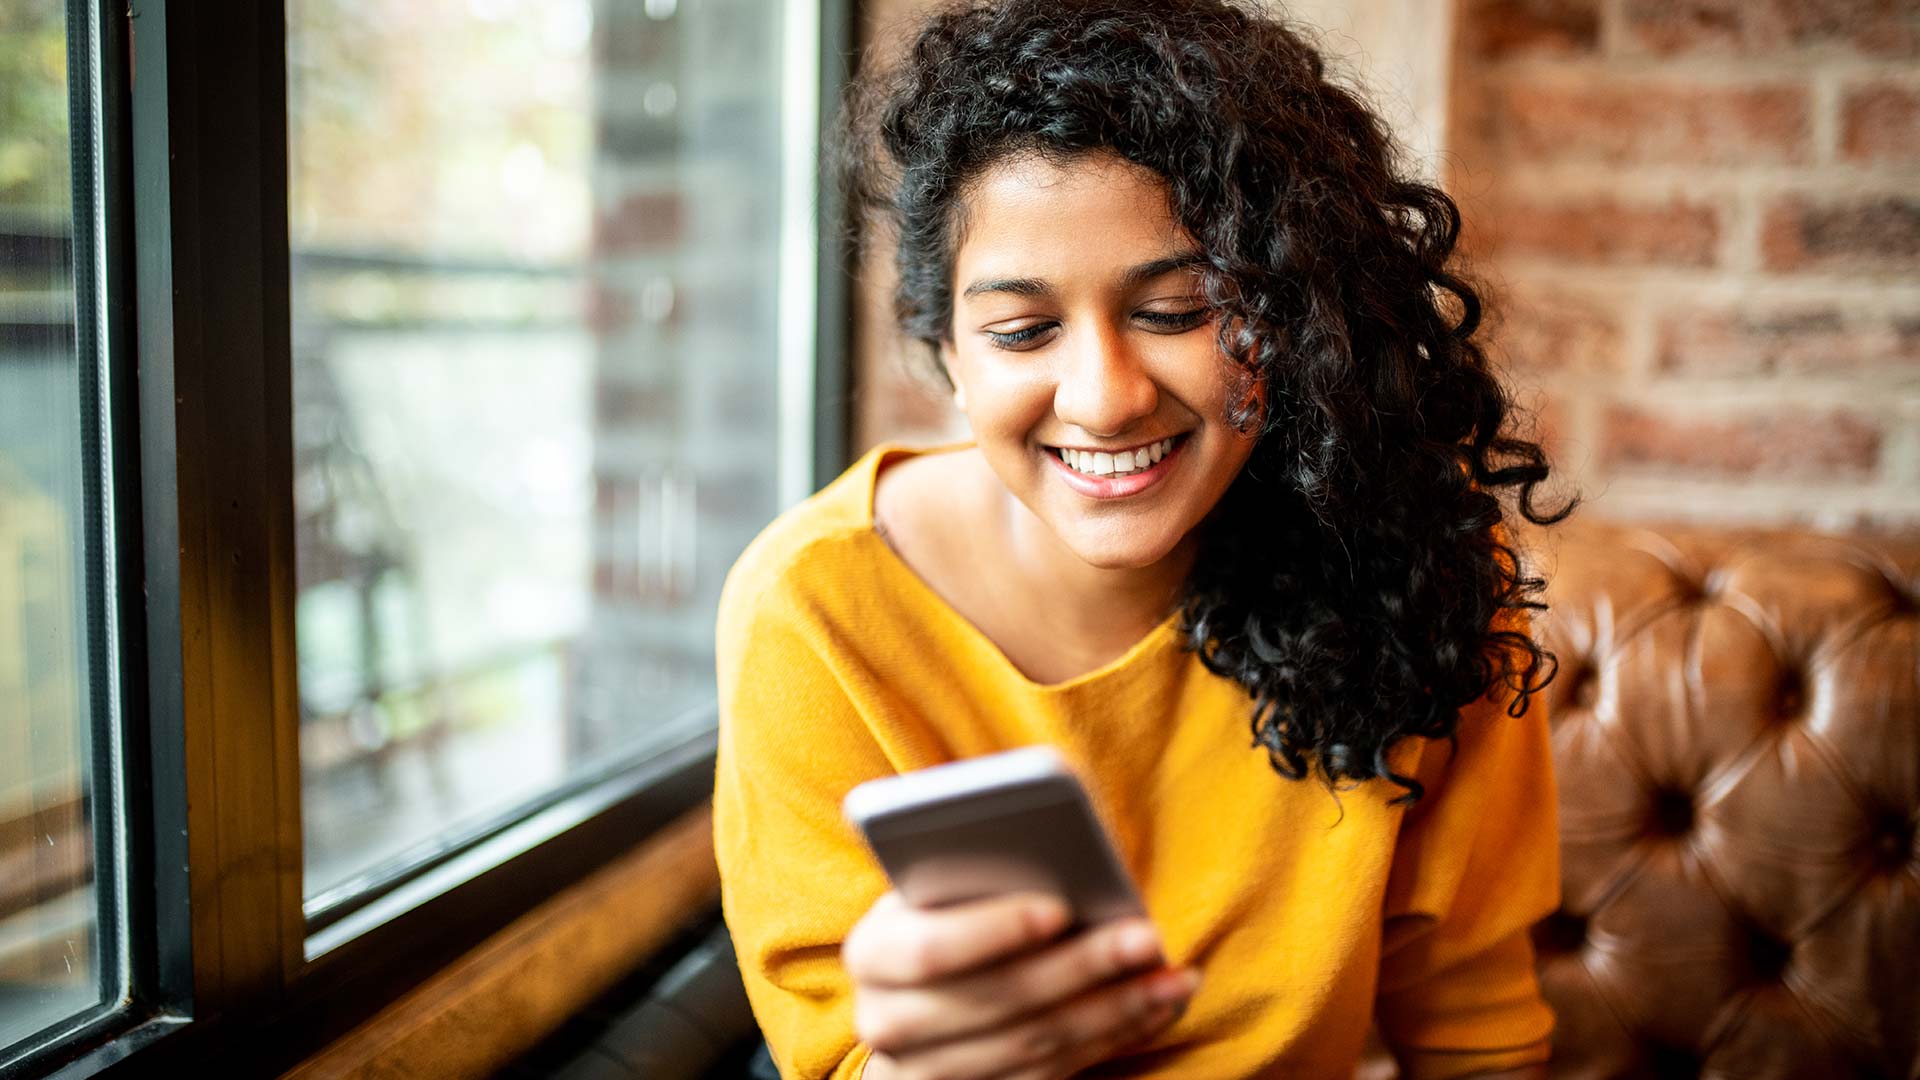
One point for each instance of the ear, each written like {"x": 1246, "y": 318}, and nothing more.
{"x": 1254, "y": 401}
{"x": 946, "y": 365}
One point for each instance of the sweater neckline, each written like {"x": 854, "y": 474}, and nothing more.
{"x": 1166, "y": 633}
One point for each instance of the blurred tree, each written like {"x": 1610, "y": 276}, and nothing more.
{"x": 441, "y": 127}
{"x": 34, "y": 169}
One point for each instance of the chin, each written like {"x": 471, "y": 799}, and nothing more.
{"x": 1121, "y": 556}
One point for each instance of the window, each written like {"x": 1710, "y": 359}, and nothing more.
{"x": 385, "y": 388}
{"x": 535, "y": 385}
{"x": 59, "y": 912}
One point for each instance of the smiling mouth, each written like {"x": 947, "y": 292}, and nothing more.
{"x": 1116, "y": 462}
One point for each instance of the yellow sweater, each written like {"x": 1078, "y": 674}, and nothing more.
{"x": 1308, "y": 917}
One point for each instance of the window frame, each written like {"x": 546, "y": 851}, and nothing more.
{"x": 223, "y": 965}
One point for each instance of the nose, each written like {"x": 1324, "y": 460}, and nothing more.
{"x": 1102, "y": 385}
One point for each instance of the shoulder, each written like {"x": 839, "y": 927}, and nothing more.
{"x": 917, "y": 500}
{"x": 811, "y": 547}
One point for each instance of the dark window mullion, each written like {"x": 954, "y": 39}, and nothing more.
{"x": 139, "y": 336}
{"x": 210, "y": 178}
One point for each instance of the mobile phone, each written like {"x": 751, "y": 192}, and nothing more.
{"x": 1009, "y": 822}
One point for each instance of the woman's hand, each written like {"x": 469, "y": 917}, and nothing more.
{"x": 990, "y": 988}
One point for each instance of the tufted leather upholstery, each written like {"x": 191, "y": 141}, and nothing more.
{"x": 1737, "y": 740}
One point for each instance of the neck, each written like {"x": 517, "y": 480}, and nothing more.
{"x": 1100, "y": 606}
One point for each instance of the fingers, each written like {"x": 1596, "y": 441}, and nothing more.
{"x": 984, "y": 989}
{"x": 900, "y": 946}
{"x": 1084, "y": 1031}
{"x": 1090, "y": 1054}
{"x": 895, "y": 1020}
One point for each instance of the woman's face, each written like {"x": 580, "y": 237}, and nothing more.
{"x": 1084, "y": 359}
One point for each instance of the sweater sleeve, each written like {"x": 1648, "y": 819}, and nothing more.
{"x": 794, "y": 876}
{"x": 1477, "y": 864}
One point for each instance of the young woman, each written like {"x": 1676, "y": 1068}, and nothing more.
{"x": 1238, "y": 468}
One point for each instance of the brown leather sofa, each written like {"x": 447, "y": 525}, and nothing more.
{"x": 1737, "y": 742}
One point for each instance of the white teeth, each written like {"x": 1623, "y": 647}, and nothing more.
{"x": 1103, "y": 463}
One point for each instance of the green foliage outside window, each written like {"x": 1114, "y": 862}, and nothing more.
{"x": 34, "y": 185}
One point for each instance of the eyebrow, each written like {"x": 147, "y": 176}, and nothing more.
{"x": 1135, "y": 275}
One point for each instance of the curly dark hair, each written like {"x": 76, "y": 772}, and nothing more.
{"x": 1356, "y": 578}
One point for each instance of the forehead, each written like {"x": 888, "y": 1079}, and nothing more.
{"x": 1082, "y": 215}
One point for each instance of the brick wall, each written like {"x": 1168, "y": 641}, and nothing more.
{"x": 1702, "y": 221}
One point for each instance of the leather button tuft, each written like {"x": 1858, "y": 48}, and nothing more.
{"x": 1893, "y": 842}
{"x": 1688, "y": 591}
{"x": 1583, "y": 688}
{"x": 1902, "y": 600}
{"x": 1767, "y": 957}
{"x": 1560, "y": 932}
{"x": 1790, "y": 697}
{"x": 1672, "y": 812}
{"x": 1671, "y": 1061}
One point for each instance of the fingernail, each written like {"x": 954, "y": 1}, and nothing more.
{"x": 1174, "y": 986}
{"x": 1049, "y": 916}
{"x": 1139, "y": 944}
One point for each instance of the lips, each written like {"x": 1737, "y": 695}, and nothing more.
{"x": 1116, "y": 484}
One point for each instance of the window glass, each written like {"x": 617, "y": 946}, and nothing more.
{"x": 50, "y": 968}
{"x": 535, "y": 260}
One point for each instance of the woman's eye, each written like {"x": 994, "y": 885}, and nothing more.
{"x": 1174, "y": 320}
{"x": 1016, "y": 339}
{"x": 1166, "y": 322}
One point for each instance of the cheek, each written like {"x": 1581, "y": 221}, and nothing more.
{"x": 1202, "y": 378}
{"x": 1008, "y": 397}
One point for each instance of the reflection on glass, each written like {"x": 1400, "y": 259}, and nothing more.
{"x": 534, "y": 368}
{"x": 49, "y": 968}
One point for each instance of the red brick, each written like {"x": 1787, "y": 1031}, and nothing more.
{"x": 1881, "y": 123}
{"x": 626, "y": 38}
{"x": 1546, "y": 422}
{"x": 1494, "y": 29}
{"x": 607, "y": 493}
{"x": 1867, "y": 233}
{"x": 1812, "y": 339}
{"x": 1666, "y": 124}
{"x": 623, "y": 581}
{"x": 1543, "y": 330}
{"x": 1608, "y": 232}
{"x": 627, "y": 406}
{"x": 1784, "y": 442}
{"x": 645, "y": 221}
{"x": 607, "y": 311}
{"x": 1751, "y": 27}
{"x": 734, "y": 495}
